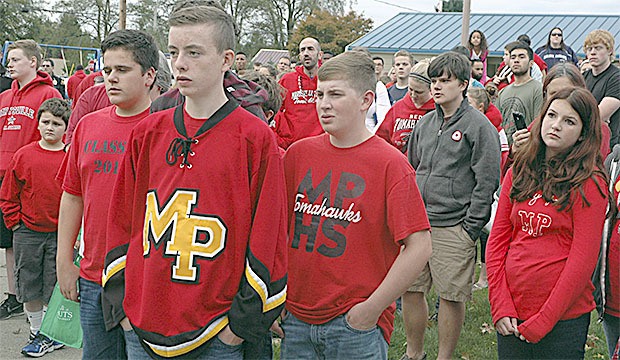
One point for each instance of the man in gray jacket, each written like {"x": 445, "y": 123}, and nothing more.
{"x": 456, "y": 153}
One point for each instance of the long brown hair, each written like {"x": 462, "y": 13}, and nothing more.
{"x": 562, "y": 175}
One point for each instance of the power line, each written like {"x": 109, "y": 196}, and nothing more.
{"x": 396, "y": 6}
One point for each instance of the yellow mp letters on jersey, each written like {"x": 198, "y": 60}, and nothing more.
{"x": 182, "y": 243}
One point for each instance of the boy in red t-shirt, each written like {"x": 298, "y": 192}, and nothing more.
{"x": 358, "y": 228}
{"x": 29, "y": 198}
{"x": 90, "y": 169}
{"x": 18, "y": 110}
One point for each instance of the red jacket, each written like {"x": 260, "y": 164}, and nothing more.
{"x": 400, "y": 121}
{"x": 93, "y": 99}
{"x": 18, "y": 115}
{"x": 297, "y": 119}
{"x": 73, "y": 82}
{"x": 87, "y": 82}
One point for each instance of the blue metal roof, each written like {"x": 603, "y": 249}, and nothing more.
{"x": 434, "y": 33}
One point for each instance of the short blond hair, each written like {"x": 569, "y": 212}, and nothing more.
{"x": 600, "y": 36}
{"x": 30, "y": 49}
{"x": 354, "y": 67}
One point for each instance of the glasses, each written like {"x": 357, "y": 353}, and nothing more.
{"x": 46, "y": 65}
{"x": 556, "y": 34}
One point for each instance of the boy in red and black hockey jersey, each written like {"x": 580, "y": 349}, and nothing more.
{"x": 353, "y": 203}
{"x": 201, "y": 198}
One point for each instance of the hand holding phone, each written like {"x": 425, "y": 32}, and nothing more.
{"x": 519, "y": 119}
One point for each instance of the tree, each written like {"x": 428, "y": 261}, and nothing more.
{"x": 334, "y": 32}
{"x": 276, "y": 20}
{"x": 20, "y": 20}
{"x": 97, "y": 17}
{"x": 151, "y": 16}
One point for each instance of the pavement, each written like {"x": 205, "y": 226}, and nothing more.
{"x": 14, "y": 331}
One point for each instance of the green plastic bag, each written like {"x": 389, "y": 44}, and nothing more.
{"x": 62, "y": 320}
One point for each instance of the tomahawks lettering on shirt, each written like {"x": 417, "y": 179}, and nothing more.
{"x": 326, "y": 211}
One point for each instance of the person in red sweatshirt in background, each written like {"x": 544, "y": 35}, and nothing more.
{"x": 479, "y": 99}
{"x": 298, "y": 118}
{"x": 75, "y": 80}
{"x": 29, "y": 198}
{"x": 545, "y": 240}
{"x": 403, "y": 116}
{"x": 18, "y": 110}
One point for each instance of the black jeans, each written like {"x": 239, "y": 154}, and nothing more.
{"x": 566, "y": 340}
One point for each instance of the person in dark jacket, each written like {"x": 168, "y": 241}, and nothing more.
{"x": 606, "y": 278}
{"x": 455, "y": 151}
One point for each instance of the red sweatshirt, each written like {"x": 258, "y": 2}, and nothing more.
{"x": 29, "y": 192}
{"x": 73, "y": 82}
{"x": 86, "y": 83}
{"x": 297, "y": 119}
{"x": 18, "y": 115}
{"x": 400, "y": 121}
{"x": 540, "y": 260}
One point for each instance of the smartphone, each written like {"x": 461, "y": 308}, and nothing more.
{"x": 519, "y": 119}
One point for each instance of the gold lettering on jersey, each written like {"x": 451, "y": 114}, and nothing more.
{"x": 184, "y": 230}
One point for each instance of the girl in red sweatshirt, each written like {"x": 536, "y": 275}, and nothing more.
{"x": 545, "y": 239}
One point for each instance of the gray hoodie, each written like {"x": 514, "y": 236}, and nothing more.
{"x": 457, "y": 166}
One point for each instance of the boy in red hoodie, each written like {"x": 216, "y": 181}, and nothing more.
{"x": 29, "y": 198}
{"x": 18, "y": 110}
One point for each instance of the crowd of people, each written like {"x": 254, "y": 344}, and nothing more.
{"x": 216, "y": 205}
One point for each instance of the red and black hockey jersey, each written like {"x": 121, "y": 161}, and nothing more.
{"x": 206, "y": 221}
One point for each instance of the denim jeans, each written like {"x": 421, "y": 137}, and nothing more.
{"x": 98, "y": 343}
{"x": 611, "y": 325}
{"x": 216, "y": 349}
{"x": 335, "y": 339}
{"x": 566, "y": 340}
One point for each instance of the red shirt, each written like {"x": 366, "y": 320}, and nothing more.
{"x": 18, "y": 115}
{"x": 29, "y": 192}
{"x": 539, "y": 260}
{"x": 297, "y": 119}
{"x": 348, "y": 211}
{"x": 99, "y": 142}
{"x": 400, "y": 121}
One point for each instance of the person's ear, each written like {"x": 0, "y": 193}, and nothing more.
{"x": 229, "y": 59}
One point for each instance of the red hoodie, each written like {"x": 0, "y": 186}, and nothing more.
{"x": 297, "y": 119}
{"x": 18, "y": 115}
{"x": 400, "y": 121}
{"x": 73, "y": 82}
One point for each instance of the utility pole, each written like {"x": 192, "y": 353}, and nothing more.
{"x": 465, "y": 28}
{"x": 122, "y": 15}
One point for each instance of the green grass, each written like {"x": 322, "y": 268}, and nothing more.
{"x": 478, "y": 337}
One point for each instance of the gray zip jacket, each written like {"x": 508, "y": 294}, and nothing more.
{"x": 457, "y": 166}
